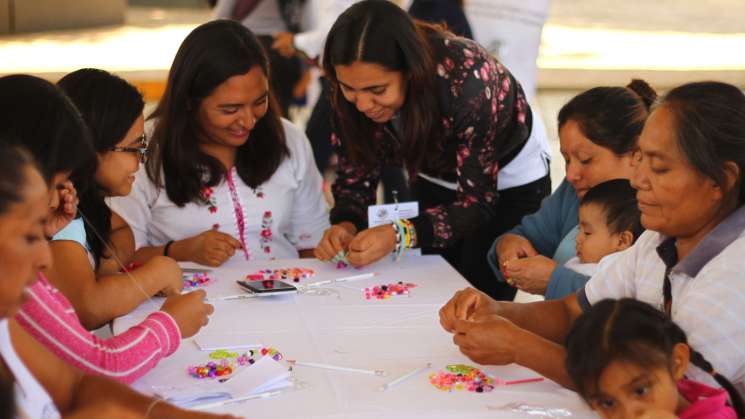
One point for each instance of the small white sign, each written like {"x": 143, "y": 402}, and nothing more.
{"x": 388, "y": 213}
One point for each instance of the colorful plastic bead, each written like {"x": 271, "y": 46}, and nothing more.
{"x": 196, "y": 279}
{"x": 386, "y": 291}
{"x": 461, "y": 377}
{"x": 295, "y": 274}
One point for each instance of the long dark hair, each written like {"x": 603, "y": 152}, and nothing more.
{"x": 210, "y": 54}
{"x": 611, "y": 117}
{"x": 378, "y": 31}
{"x": 710, "y": 127}
{"x": 633, "y": 331}
{"x": 109, "y": 106}
{"x": 12, "y": 173}
{"x": 36, "y": 114}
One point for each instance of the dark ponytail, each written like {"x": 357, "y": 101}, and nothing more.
{"x": 645, "y": 92}
{"x": 611, "y": 117}
{"x": 737, "y": 403}
{"x": 632, "y": 331}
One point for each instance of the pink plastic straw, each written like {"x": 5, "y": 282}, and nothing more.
{"x": 523, "y": 381}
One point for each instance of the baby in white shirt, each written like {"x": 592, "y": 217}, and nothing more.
{"x": 609, "y": 222}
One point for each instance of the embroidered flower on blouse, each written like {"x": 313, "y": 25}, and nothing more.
{"x": 258, "y": 192}
{"x": 208, "y": 197}
{"x": 266, "y": 232}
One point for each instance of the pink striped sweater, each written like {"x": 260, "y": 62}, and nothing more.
{"x": 51, "y": 319}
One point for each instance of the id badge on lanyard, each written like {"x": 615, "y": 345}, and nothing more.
{"x": 388, "y": 213}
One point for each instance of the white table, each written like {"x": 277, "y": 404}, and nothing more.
{"x": 396, "y": 335}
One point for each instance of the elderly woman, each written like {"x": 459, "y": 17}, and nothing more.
{"x": 689, "y": 180}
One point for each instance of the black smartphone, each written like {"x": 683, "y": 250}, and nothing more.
{"x": 268, "y": 287}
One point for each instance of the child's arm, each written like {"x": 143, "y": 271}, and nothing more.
{"x": 71, "y": 390}
{"x": 124, "y": 357}
{"x": 99, "y": 300}
{"x": 122, "y": 242}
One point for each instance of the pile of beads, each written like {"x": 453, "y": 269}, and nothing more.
{"x": 196, "y": 279}
{"x": 340, "y": 260}
{"x": 386, "y": 291}
{"x": 462, "y": 377}
{"x": 211, "y": 370}
{"x": 275, "y": 354}
{"x": 224, "y": 364}
{"x": 296, "y": 274}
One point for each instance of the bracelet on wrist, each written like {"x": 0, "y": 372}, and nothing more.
{"x": 167, "y": 247}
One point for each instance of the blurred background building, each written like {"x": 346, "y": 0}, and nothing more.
{"x": 577, "y": 44}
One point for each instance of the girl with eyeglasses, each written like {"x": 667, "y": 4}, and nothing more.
{"x": 76, "y": 295}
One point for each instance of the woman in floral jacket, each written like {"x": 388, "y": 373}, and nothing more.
{"x": 416, "y": 96}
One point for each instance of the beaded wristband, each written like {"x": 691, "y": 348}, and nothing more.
{"x": 405, "y": 237}
{"x": 412, "y": 232}
{"x": 397, "y": 250}
{"x": 167, "y": 247}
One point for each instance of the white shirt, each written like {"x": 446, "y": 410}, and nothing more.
{"x": 589, "y": 269}
{"x": 318, "y": 17}
{"x": 32, "y": 401}
{"x": 263, "y": 20}
{"x": 275, "y": 220}
{"x": 708, "y": 289}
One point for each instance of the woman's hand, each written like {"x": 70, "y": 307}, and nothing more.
{"x": 371, "y": 245}
{"x": 530, "y": 274}
{"x": 189, "y": 311}
{"x": 493, "y": 341}
{"x": 211, "y": 248}
{"x": 511, "y": 247}
{"x": 65, "y": 211}
{"x": 335, "y": 239}
{"x": 467, "y": 304}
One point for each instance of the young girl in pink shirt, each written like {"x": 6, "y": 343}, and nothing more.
{"x": 629, "y": 360}
{"x": 58, "y": 311}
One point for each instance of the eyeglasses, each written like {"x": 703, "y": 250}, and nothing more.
{"x": 141, "y": 151}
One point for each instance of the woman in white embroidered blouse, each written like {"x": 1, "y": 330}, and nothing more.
{"x": 226, "y": 176}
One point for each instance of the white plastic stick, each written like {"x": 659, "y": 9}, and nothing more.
{"x": 380, "y": 373}
{"x": 343, "y": 279}
{"x": 263, "y": 395}
{"x": 232, "y": 297}
{"x": 356, "y": 277}
{"x": 405, "y": 377}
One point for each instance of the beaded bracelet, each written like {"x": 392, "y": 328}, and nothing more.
{"x": 398, "y": 249}
{"x": 412, "y": 233}
{"x": 409, "y": 232}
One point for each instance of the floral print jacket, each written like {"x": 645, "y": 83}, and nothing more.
{"x": 485, "y": 118}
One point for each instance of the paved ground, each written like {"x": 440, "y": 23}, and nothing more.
{"x": 714, "y": 16}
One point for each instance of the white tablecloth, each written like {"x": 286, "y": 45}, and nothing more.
{"x": 396, "y": 335}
